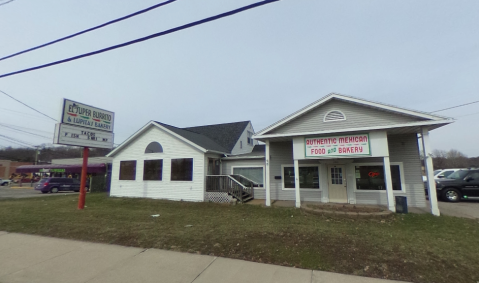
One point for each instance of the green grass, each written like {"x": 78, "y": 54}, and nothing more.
{"x": 413, "y": 247}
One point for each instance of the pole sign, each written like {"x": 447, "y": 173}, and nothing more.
{"x": 348, "y": 145}
{"x": 79, "y": 114}
{"x": 79, "y": 136}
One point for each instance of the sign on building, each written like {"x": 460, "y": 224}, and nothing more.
{"x": 347, "y": 145}
{"x": 79, "y": 114}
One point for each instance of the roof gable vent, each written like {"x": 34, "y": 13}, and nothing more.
{"x": 334, "y": 115}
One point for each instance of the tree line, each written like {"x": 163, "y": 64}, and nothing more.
{"x": 453, "y": 158}
{"x": 47, "y": 153}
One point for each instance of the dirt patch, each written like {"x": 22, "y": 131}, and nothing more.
{"x": 348, "y": 208}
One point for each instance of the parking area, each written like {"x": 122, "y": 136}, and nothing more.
{"x": 25, "y": 192}
{"x": 466, "y": 208}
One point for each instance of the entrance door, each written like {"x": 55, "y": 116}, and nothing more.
{"x": 213, "y": 166}
{"x": 337, "y": 184}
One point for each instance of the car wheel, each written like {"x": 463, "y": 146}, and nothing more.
{"x": 54, "y": 190}
{"x": 4, "y": 184}
{"x": 451, "y": 195}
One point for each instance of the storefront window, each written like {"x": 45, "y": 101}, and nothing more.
{"x": 153, "y": 170}
{"x": 255, "y": 174}
{"x": 372, "y": 178}
{"x": 182, "y": 169}
{"x": 127, "y": 170}
{"x": 308, "y": 177}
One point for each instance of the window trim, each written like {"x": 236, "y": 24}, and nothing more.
{"x": 401, "y": 173}
{"x": 301, "y": 189}
{"x": 119, "y": 170}
{"x": 253, "y": 166}
{"x": 334, "y": 110}
{"x": 162, "y": 170}
{"x": 192, "y": 170}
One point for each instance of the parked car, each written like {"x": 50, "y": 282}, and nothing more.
{"x": 460, "y": 184}
{"x": 54, "y": 185}
{"x": 442, "y": 173}
{"x": 5, "y": 182}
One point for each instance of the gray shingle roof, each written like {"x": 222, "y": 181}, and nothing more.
{"x": 221, "y": 137}
{"x": 226, "y": 135}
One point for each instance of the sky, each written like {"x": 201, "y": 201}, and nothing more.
{"x": 260, "y": 65}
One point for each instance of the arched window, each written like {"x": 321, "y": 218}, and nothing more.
{"x": 154, "y": 147}
{"x": 334, "y": 115}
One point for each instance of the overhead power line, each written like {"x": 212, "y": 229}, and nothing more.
{"x": 17, "y": 141}
{"x": 200, "y": 22}
{"x": 27, "y": 105}
{"x": 25, "y": 132}
{"x": 455, "y": 106}
{"x": 90, "y": 29}
{"x": 4, "y": 3}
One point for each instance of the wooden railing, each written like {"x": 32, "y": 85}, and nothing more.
{"x": 227, "y": 184}
{"x": 247, "y": 183}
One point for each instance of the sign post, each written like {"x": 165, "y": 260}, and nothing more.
{"x": 86, "y": 126}
{"x": 84, "y": 169}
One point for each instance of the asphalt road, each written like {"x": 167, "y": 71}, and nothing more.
{"x": 7, "y": 192}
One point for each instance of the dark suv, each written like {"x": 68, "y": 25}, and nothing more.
{"x": 54, "y": 185}
{"x": 458, "y": 185}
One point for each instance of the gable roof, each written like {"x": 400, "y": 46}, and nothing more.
{"x": 225, "y": 135}
{"x": 220, "y": 138}
{"x": 381, "y": 106}
{"x": 197, "y": 138}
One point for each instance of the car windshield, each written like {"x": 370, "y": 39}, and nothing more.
{"x": 437, "y": 172}
{"x": 458, "y": 174}
{"x": 43, "y": 180}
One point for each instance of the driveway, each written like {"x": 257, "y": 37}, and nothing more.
{"x": 27, "y": 192}
{"x": 466, "y": 208}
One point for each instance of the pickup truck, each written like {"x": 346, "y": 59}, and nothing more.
{"x": 5, "y": 182}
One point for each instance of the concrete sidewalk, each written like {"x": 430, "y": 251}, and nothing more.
{"x": 27, "y": 258}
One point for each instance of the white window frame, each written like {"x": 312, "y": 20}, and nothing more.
{"x": 401, "y": 173}
{"x": 326, "y": 115}
{"x": 252, "y": 166}
{"x": 302, "y": 189}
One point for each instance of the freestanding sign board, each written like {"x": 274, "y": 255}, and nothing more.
{"x": 77, "y": 136}
{"x": 86, "y": 126}
{"x": 79, "y": 114}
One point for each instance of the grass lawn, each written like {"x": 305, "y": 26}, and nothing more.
{"x": 413, "y": 247}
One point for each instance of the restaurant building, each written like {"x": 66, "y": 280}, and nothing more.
{"x": 338, "y": 149}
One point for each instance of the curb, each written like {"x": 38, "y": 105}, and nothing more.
{"x": 321, "y": 211}
{"x": 29, "y": 188}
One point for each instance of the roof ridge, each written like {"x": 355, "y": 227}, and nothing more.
{"x": 246, "y": 121}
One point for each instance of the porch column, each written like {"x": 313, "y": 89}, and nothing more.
{"x": 296, "y": 183}
{"x": 431, "y": 184}
{"x": 267, "y": 177}
{"x": 389, "y": 183}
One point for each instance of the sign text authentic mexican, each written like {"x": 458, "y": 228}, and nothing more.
{"x": 78, "y": 114}
{"x": 338, "y": 146}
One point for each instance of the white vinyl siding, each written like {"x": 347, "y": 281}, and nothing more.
{"x": 357, "y": 116}
{"x": 173, "y": 148}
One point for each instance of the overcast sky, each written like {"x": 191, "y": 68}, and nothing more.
{"x": 260, "y": 65}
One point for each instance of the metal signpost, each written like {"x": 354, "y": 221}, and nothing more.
{"x": 86, "y": 126}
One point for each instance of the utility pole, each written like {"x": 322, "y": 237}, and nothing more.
{"x": 36, "y": 155}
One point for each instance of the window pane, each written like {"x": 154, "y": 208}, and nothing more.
{"x": 127, "y": 170}
{"x": 308, "y": 177}
{"x": 372, "y": 178}
{"x": 253, "y": 173}
{"x": 182, "y": 169}
{"x": 153, "y": 170}
{"x": 154, "y": 147}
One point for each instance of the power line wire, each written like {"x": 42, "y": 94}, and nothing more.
{"x": 1, "y": 4}
{"x": 27, "y": 105}
{"x": 25, "y": 132}
{"x": 90, "y": 29}
{"x": 230, "y": 13}
{"x": 50, "y": 133}
{"x": 23, "y": 113}
{"x": 15, "y": 142}
{"x": 455, "y": 106}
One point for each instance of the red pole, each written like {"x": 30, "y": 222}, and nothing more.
{"x": 81, "y": 199}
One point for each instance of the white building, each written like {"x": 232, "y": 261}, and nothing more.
{"x": 338, "y": 149}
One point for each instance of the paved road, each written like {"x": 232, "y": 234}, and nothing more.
{"x": 28, "y": 258}
{"x": 467, "y": 208}
{"x": 7, "y": 192}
